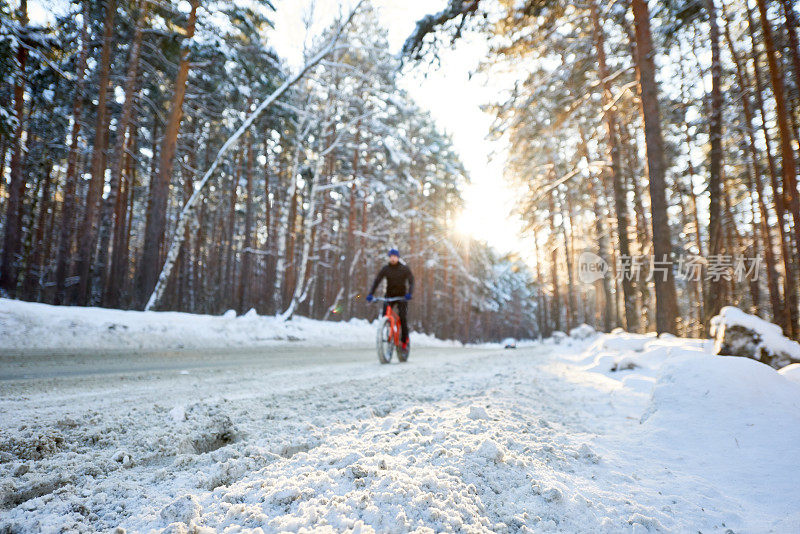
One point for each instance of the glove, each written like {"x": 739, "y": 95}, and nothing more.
{"x": 408, "y": 296}
{"x": 370, "y": 298}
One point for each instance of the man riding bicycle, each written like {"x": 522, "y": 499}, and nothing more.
{"x": 399, "y": 283}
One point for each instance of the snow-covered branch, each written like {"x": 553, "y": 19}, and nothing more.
{"x": 188, "y": 210}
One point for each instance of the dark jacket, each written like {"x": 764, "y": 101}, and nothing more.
{"x": 396, "y": 277}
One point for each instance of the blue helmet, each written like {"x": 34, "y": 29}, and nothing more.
{"x": 394, "y": 252}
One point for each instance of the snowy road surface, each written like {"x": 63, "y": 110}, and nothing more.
{"x": 539, "y": 439}
{"x": 69, "y": 363}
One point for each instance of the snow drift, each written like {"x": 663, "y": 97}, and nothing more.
{"x": 27, "y": 325}
{"x": 732, "y": 423}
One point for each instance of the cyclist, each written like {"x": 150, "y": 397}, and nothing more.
{"x": 399, "y": 283}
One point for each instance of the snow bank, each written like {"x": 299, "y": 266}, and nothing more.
{"x": 584, "y": 331}
{"x": 703, "y": 401}
{"x": 731, "y": 425}
{"x": 792, "y": 372}
{"x": 622, "y": 341}
{"x": 717, "y": 412}
{"x": 740, "y": 334}
{"x": 621, "y": 351}
{"x": 27, "y": 325}
{"x": 578, "y": 338}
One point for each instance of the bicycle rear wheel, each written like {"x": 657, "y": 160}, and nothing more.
{"x": 384, "y": 342}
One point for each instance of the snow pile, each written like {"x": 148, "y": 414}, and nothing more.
{"x": 792, "y": 372}
{"x": 735, "y": 422}
{"x": 727, "y": 404}
{"x": 578, "y": 339}
{"x": 558, "y": 337}
{"x": 740, "y": 334}
{"x": 584, "y": 331}
{"x": 622, "y": 351}
{"x": 27, "y": 325}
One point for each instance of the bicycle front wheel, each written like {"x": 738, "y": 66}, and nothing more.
{"x": 402, "y": 354}
{"x": 384, "y": 341}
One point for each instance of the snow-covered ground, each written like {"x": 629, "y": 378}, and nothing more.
{"x": 616, "y": 433}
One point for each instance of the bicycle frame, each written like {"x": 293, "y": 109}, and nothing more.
{"x": 394, "y": 324}
{"x": 389, "y": 332}
{"x": 394, "y": 319}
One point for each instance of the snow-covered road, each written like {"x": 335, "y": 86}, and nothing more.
{"x": 85, "y": 365}
{"x": 458, "y": 439}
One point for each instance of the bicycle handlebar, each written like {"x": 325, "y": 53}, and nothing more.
{"x": 391, "y": 299}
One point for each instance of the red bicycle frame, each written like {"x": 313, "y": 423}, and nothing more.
{"x": 394, "y": 323}
{"x": 389, "y": 333}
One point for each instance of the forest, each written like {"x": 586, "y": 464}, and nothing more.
{"x": 137, "y": 134}
{"x": 113, "y": 113}
{"x": 652, "y": 135}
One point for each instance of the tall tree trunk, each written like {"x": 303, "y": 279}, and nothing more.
{"x": 29, "y": 244}
{"x": 187, "y": 265}
{"x": 620, "y": 197}
{"x": 698, "y": 236}
{"x": 716, "y": 247}
{"x": 556, "y": 302}
{"x": 789, "y": 194}
{"x": 640, "y": 269}
{"x": 602, "y": 239}
{"x": 156, "y": 224}
{"x": 88, "y": 238}
{"x": 351, "y": 221}
{"x": 46, "y": 293}
{"x": 541, "y": 309}
{"x": 794, "y": 47}
{"x": 782, "y": 118}
{"x": 228, "y": 280}
{"x": 67, "y": 226}
{"x": 666, "y": 298}
{"x": 34, "y": 273}
{"x": 362, "y": 246}
{"x": 323, "y": 281}
{"x": 120, "y": 254}
{"x": 119, "y": 257}
{"x": 200, "y": 271}
{"x": 16, "y": 188}
{"x": 130, "y": 179}
{"x": 571, "y": 306}
{"x": 789, "y": 297}
{"x": 288, "y": 214}
{"x": 112, "y": 207}
{"x": 778, "y": 312}
{"x": 697, "y": 285}
{"x": 756, "y": 247}
{"x": 247, "y": 256}
{"x": 3, "y": 150}
{"x": 270, "y": 206}
{"x": 300, "y": 286}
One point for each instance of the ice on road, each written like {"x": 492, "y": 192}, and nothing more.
{"x": 539, "y": 439}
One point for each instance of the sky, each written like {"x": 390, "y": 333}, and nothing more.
{"x": 453, "y": 100}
